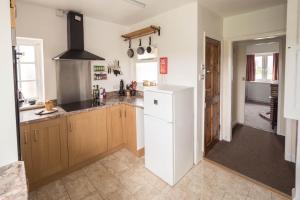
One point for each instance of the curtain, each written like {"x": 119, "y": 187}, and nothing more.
{"x": 250, "y": 74}
{"x": 275, "y": 75}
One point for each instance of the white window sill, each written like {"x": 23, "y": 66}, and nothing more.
{"x": 262, "y": 81}
{"x": 25, "y": 107}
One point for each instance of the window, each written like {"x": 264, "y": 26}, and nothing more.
{"x": 146, "y": 71}
{"x": 29, "y": 67}
{"x": 263, "y": 67}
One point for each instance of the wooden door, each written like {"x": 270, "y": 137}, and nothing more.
{"x": 130, "y": 128}
{"x": 49, "y": 148}
{"x": 87, "y": 136}
{"x": 212, "y": 93}
{"x": 292, "y": 72}
{"x": 25, "y": 141}
{"x": 115, "y": 124}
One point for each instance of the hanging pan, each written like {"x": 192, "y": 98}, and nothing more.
{"x": 149, "y": 48}
{"x": 140, "y": 49}
{"x": 130, "y": 51}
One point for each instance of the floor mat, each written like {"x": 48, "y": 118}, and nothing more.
{"x": 258, "y": 155}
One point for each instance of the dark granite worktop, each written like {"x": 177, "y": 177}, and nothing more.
{"x": 29, "y": 116}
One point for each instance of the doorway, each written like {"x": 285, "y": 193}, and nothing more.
{"x": 252, "y": 152}
{"x": 212, "y": 93}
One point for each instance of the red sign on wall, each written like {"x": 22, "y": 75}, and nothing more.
{"x": 164, "y": 65}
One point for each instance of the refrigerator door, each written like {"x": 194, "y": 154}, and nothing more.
{"x": 159, "y": 148}
{"x": 159, "y": 105}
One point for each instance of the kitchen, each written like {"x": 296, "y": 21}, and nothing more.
{"x": 89, "y": 107}
{"x": 113, "y": 107}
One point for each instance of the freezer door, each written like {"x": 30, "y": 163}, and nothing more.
{"x": 159, "y": 148}
{"x": 159, "y": 105}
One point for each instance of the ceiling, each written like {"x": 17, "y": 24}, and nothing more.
{"x": 125, "y": 13}
{"x": 117, "y": 11}
{"x": 227, "y": 8}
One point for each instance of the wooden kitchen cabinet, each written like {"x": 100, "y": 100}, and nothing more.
{"x": 49, "y": 149}
{"x": 44, "y": 148}
{"x": 130, "y": 128}
{"x": 87, "y": 136}
{"x": 115, "y": 125}
{"x": 25, "y": 142}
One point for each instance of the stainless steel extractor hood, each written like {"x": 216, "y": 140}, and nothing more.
{"x": 76, "y": 40}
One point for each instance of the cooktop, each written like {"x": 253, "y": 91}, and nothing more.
{"x": 81, "y": 105}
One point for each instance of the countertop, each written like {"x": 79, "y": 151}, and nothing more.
{"x": 13, "y": 182}
{"x": 29, "y": 116}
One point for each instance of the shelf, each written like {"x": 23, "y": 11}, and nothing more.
{"x": 142, "y": 32}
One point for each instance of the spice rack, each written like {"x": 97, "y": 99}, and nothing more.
{"x": 99, "y": 73}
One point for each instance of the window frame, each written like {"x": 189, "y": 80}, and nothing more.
{"x": 156, "y": 60}
{"x": 39, "y": 65}
{"x": 264, "y": 67}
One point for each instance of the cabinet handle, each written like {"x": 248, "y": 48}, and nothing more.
{"x": 125, "y": 114}
{"x": 25, "y": 137}
{"x": 36, "y": 132}
{"x": 70, "y": 126}
{"x": 120, "y": 114}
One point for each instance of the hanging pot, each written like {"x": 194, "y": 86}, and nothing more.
{"x": 149, "y": 48}
{"x": 130, "y": 51}
{"x": 140, "y": 49}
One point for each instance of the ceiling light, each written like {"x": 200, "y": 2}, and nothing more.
{"x": 136, "y": 3}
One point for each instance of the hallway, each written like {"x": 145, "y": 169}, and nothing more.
{"x": 258, "y": 155}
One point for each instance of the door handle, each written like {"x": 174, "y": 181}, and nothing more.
{"x": 36, "y": 132}
{"x": 70, "y": 127}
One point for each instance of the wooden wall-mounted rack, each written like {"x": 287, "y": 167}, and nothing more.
{"x": 142, "y": 32}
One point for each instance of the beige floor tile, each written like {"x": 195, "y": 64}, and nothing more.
{"x": 121, "y": 195}
{"x": 95, "y": 169}
{"x": 106, "y": 185}
{"x": 124, "y": 176}
{"x": 234, "y": 197}
{"x": 115, "y": 166}
{"x": 53, "y": 191}
{"x": 93, "y": 196}
{"x": 275, "y": 196}
{"x": 259, "y": 193}
{"x": 146, "y": 192}
{"x": 79, "y": 188}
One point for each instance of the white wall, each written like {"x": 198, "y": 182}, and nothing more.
{"x": 8, "y": 136}
{"x": 101, "y": 38}
{"x": 178, "y": 42}
{"x": 269, "y": 20}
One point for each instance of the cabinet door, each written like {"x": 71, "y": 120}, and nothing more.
{"x": 115, "y": 123}
{"x": 292, "y": 67}
{"x": 87, "y": 136}
{"x": 49, "y": 148}
{"x": 25, "y": 141}
{"x": 130, "y": 122}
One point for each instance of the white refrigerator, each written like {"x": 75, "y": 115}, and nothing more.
{"x": 169, "y": 131}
